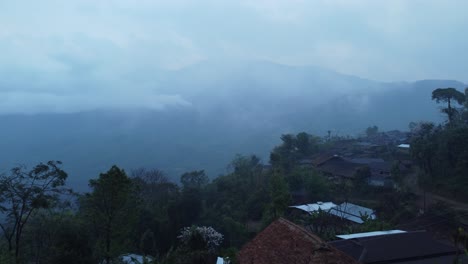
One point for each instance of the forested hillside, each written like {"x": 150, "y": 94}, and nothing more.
{"x": 194, "y": 219}
{"x": 234, "y": 132}
{"x": 239, "y": 108}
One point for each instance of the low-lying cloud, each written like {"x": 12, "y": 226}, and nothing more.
{"x": 83, "y": 54}
{"x": 30, "y": 103}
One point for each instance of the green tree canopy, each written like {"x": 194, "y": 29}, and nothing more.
{"x": 22, "y": 193}
{"x": 448, "y": 95}
{"x": 292, "y": 149}
{"x": 279, "y": 195}
{"x": 110, "y": 207}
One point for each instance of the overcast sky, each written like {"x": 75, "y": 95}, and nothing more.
{"x": 67, "y": 54}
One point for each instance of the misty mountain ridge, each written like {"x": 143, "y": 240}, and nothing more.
{"x": 239, "y": 108}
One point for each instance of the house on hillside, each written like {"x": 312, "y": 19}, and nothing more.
{"x": 345, "y": 211}
{"x": 284, "y": 242}
{"x": 380, "y": 171}
{"x": 393, "y": 137}
{"x": 366, "y": 147}
{"x": 376, "y": 165}
{"x": 336, "y": 167}
{"x": 401, "y": 247}
{"x": 341, "y": 169}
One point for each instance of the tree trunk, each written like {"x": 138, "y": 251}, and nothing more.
{"x": 10, "y": 245}
{"x": 449, "y": 109}
{"x": 108, "y": 242}
{"x": 17, "y": 244}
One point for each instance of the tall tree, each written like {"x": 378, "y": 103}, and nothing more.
{"x": 22, "y": 193}
{"x": 156, "y": 194}
{"x": 111, "y": 208}
{"x": 279, "y": 194}
{"x": 448, "y": 95}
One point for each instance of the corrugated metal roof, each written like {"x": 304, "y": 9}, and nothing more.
{"x": 396, "y": 248}
{"x": 348, "y": 211}
{"x": 367, "y": 234}
{"x": 352, "y": 212}
{"x": 315, "y": 206}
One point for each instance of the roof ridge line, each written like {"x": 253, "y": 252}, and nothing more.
{"x": 303, "y": 230}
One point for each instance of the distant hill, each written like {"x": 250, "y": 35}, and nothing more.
{"x": 236, "y": 108}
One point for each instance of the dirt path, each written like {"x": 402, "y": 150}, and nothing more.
{"x": 455, "y": 205}
{"x": 431, "y": 198}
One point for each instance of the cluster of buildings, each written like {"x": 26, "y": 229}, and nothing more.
{"x": 285, "y": 242}
{"x": 342, "y": 162}
{"x": 383, "y": 155}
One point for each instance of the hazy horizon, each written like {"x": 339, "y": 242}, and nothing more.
{"x": 79, "y": 55}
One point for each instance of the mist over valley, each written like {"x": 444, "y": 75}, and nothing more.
{"x": 231, "y": 108}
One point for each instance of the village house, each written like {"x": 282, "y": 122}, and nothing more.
{"x": 398, "y": 247}
{"x": 380, "y": 171}
{"x": 393, "y": 137}
{"x": 335, "y": 167}
{"x": 339, "y": 169}
{"x": 345, "y": 211}
{"x": 284, "y": 242}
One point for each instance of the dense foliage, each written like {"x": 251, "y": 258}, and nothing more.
{"x": 441, "y": 151}
{"x": 195, "y": 220}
